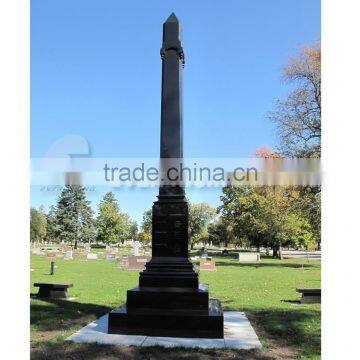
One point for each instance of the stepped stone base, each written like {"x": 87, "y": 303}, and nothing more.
{"x": 182, "y": 322}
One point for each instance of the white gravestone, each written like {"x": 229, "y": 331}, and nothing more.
{"x": 87, "y": 247}
{"x": 68, "y": 255}
{"x": 136, "y": 248}
{"x": 249, "y": 257}
{"x": 92, "y": 256}
{"x": 36, "y": 251}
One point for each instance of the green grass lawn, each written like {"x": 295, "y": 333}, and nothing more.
{"x": 265, "y": 291}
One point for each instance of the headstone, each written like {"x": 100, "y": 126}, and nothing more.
{"x": 79, "y": 254}
{"x": 310, "y": 296}
{"x": 249, "y": 257}
{"x": 123, "y": 263}
{"x": 68, "y": 255}
{"x": 136, "y": 247}
{"x": 51, "y": 255}
{"x": 154, "y": 308}
{"x": 87, "y": 247}
{"x": 36, "y": 251}
{"x": 110, "y": 257}
{"x": 204, "y": 253}
{"x": 207, "y": 265}
{"x": 111, "y": 250}
{"x": 137, "y": 262}
{"x": 92, "y": 256}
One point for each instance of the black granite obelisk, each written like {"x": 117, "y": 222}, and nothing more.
{"x": 169, "y": 300}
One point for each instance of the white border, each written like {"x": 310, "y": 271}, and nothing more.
{"x": 14, "y": 200}
{"x": 341, "y": 115}
{"x": 341, "y": 215}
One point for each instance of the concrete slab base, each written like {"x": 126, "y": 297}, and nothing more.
{"x": 239, "y": 334}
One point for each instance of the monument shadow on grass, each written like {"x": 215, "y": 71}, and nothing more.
{"x": 56, "y": 314}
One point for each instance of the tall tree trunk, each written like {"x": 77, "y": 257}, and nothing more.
{"x": 275, "y": 252}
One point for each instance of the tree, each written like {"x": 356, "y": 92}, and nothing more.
{"x": 221, "y": 232}
{"x": 266, "y": 217}
{"x": 298, "y": 117}
{"x": 74, "y": 216}
{"x": 113, "y": 225}
{"x": 50, "y": 225}
{"x": 144, "y": 237}
{"x": 133, "y": 233}
{"x": 200, "y": 216}
{"x": 37, "y": 225}
{"x": 147, "y": 224}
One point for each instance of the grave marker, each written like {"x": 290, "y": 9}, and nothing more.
{"x": 123, "y": 262}
{"x": 207, "y": 265}
{"x": 92, "y": 256}
{"x": 68, "y": 255}
{"x": 137, "y": 262}
{"x": 249, "y": 257}
{"x": 136, "y": 247}
{"x": 110, "y": 257}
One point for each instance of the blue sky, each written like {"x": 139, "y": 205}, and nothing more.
{"x": 96, "y": 72}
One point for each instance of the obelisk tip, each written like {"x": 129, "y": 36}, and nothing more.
{"x": 172, "y": 19}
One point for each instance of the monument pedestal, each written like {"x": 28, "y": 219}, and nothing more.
{"x": 176, "y": 322}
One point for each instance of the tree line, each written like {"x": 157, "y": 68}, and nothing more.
{"x": 72, "y": 220}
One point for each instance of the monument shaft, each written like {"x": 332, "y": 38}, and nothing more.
{"x": 171, "y": 137}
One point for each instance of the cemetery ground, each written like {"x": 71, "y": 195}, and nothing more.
{"x": 265, "y": 291}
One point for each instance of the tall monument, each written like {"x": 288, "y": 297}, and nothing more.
{"x": 169, "y": 300}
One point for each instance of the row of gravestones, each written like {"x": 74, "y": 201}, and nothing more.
{"x": 137, "y": 262}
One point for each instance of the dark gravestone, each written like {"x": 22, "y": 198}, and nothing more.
{"x": 52, "y": 290}
{"x": 310, "y": 296}
{"x": 169, "y": 300}
{"x": 204, "y": 253}
{"x": 52, "y": 267}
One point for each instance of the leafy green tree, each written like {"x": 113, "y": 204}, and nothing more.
{"x": 266, "y": 217}
{"x": 133, "y": 230}
{"x": 146, "y": 234}
{"x": 144, "y": 237}
{"x": 147, "y": 222}
{"x": 50, "y": 225}
{"x": 221, "y": 233}
{"x": 37, "y": 225}
{"x": 73, "y": 216}
{"x": 113, "y": 225}
{"x": 200, "y": 216}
